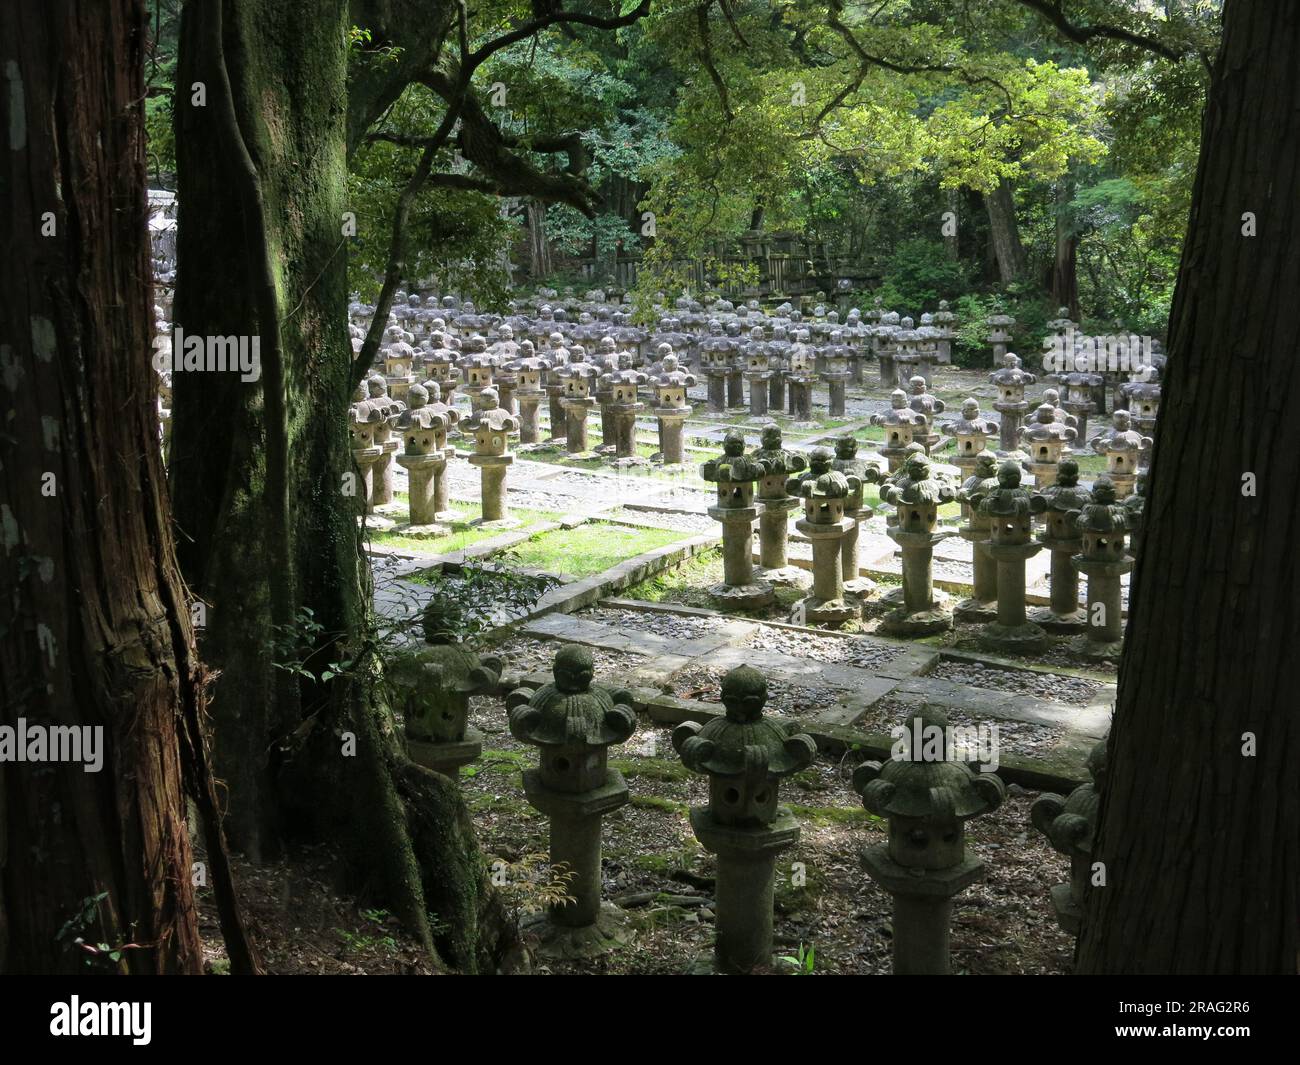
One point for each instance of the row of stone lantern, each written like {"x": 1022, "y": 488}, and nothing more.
{"x": 925, "y": 793}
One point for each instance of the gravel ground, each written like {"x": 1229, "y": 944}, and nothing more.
{"x": 671, "y": 626}
{"x": 522, "y": 654}
{"x": 1014, "y": 737}
{"x": 783, "y": 697}
{"x": 841, "y": 650}
{"x": 686, "y": 521}
{"x": 1053, "y": 686}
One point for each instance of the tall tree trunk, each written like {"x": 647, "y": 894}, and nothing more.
{"x": 1004, "y": 232}
{"x": 539, "y": 248}
{"x": 1200, "y": 838}
{"x": 1064, "y": 281}
{"x": 96, "y": 629}
{"x": 258, "y": 473}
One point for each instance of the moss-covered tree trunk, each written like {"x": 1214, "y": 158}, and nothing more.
{"x": 94, "y": 627}
{"x": 258, "y": 469}
{"x": 1200, "y": 820}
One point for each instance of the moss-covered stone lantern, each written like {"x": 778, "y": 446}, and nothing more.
{"x": 573, "y": 723}
{"x": 825, "y": 493}
{"x": 1102, "y": 525}
{"x": 778, "y": 466}
{"x": 734, "y": 473}
{"x": 1059, "y": 503}
{"x": 927, "y": 797}
{"x": 1070, "y": 825}
{"x": 1009, "y": 510}
{"x": 745, "y": 756}
{"x": 916, "y": 496}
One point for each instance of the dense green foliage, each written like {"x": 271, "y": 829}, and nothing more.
{"x": 857, "y": 126}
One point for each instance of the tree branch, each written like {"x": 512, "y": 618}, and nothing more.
{"x": 536, "y": 25}
{"x": 1052, "y": 12}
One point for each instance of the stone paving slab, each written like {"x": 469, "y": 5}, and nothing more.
{"x": 1089, "y": 721}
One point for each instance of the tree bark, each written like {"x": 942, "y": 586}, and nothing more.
{"x": 303, "y": 758}
{"x": 1200, "y": 842}
{"x": 1004, "y": 233}
{"x": 539, "y": 248}
{"x": 1064, "y": 280}
{"x": 96, "y": 627}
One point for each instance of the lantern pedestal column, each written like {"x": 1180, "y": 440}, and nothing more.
{"x": 585, "y": 927}
{"x": 744, "y": 887}
{"x": 422, "y": 475}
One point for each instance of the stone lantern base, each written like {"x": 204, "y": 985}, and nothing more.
{"x": 758, "y": 593}
{"x": 1059, "y": 624}
{"x": 1015, "y": 639}
{"x": 815, "y": 611}
{"x": 446, "y": 758}
{"x": 1068, "y": 914}
{"x": 1095, "y": 649}
{"x": 558, "y": 942}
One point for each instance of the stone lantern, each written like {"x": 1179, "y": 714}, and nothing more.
{"x": 439, "y": 366}
{"x": 1070, "y": 825}
{"x": 1044, "y": 439}
{"x": 758, "y": 371}
{"x": 1143, "y": 402}
{"x": 577, "y": 378}
{"x": 927, "y": 349}
{"x": 622, "y": 406}
{"x": 777, "y": 350}
{"x": 800, "y": 377}
{"x": 715, "y": 353}
{"x": 836, "y": 373}
{"x": 476, "y": 367}
{"x": 670, "y": 387}
{"x": 982, "y": 605}
{"x": 423, "y": 432}
{"x": 1079, "y": 389}
{"x": 847, "y": 462}
{"x": 557, "y": 357}
{"x": 364, "y": 420}
{"x": 608, "y": 360}
{"x": 778, "y": 465}
{"x": 505, "y": 377}
{"x": 399, "y": 359}
{"x": 926, "y": 405}
{"x": 901, "y": 424}
{"x": 735, "y": 473}
{"x": 1000, "y": 326}
{"x": 907, "y": 342}
{"x": 927, "y": 801}
{"x": 944, "y": 332}
{"x": 1059, "y": 503}
{"x": 735, "y": 381}
{"x": 1009, "y": 511}
{"x": 432, "y": 687}
{"x": 916, "y": 497}
{"x": 972, "y": 434}
{"x": 1122, "y": 446}
{"x": 883, "y": 343}
{"x": 529, "y": 392}
{"x": 381, "y": 491}
{"x": 493, "y": 457}
{"x": 1102, "y": 525}
{"x": 573, "y": 722}
{"x": 1011, "y": 381}
{"x": 745, "y": 755}
{"x": 825, "y": 493}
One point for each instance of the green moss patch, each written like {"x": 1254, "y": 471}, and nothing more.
{"x": 590, "y": 548}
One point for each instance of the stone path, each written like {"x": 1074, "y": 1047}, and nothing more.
{"x": 842, "y": 694}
